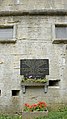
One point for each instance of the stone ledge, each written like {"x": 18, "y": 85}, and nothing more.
{"x": 58, "y": 41}
{"x": 33, "y": 84}
{"x": 7, "y": 41}
{"x": 34, "y": 12}
{"x": 44, "y": 85}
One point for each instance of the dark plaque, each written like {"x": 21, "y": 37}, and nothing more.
{"x": 34, "y": 68}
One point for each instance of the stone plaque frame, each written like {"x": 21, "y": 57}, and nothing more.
{"x": 34, "y": 68}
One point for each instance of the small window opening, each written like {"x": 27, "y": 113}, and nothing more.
{"x": 53, "y": 82}
{"x": 61, "y": 31}
{"x": 6, "y": 32}
{"x": 15, "y": 92}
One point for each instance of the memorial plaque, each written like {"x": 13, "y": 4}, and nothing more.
{"x": 34, "y": 68}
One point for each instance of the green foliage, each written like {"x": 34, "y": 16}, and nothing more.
{"x": 34, "y": 80}
{"x": 10, "y": 117}
{"x": 60, "y": 114}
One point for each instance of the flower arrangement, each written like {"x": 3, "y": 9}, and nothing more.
{"x": 40, "y": 106}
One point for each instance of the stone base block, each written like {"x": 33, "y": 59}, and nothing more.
{"x": 32, "y": 115}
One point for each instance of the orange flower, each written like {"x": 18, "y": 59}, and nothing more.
{"x": 40, "y": 106}
{"x": 34, "y": 105}
{"x": 27, "y": 105}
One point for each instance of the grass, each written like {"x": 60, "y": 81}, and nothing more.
{"x": 60, "y": 114}
{"x": 10, "y": 117}
{"x": 56, "y": 115}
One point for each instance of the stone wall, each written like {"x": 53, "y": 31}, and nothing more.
{"x": 30, "y": 5}
{"x": 34, "y": 40}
